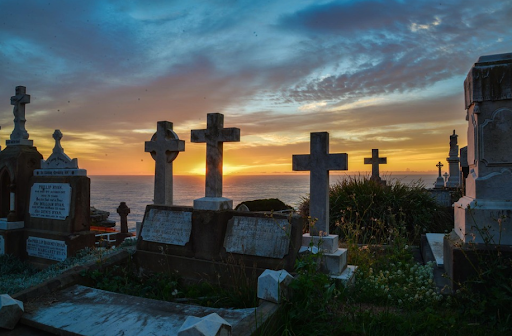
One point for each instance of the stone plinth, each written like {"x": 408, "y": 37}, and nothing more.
{"x": 272, "y": 285}
{"x": 11, "y": 311}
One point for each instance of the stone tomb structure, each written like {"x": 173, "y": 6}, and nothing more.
{"x": 57, "y": 222}
{"x": 319, "y": 162}
{"x": 483, "y": 216}
{"x": 18, "y": 160}
{"x": 214, "y": 136}
{"x": 216, "y": 245}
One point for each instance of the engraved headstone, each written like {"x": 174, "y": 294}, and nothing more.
{"x": 164, "y": 148}
{"x": 319, "y": 163}
{"x": 50, "y": 200}
{"x": 214, "y": 136}
{"x": 264, "y": 237}
{"x": 167, "y": 226}
{"x": 375, "y": 161}
{"x": 47, "y": 248}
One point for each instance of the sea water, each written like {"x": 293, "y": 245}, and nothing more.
{"x": 137, "y": 191}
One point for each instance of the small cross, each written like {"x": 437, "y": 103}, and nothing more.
{"x": 439, "y": 165}
{"x": 214, "y": 135}
{"x": 19, "y": 101}
{"x": 164, "y": 148}
{"x": 319, "y": 163}
{"x": 375, "y": 161}
{"x": 446, "y": 176}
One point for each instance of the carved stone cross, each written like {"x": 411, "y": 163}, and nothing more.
{"x": 375, "y": 161}
{"x": 164, "y": 148}
{"x": 19, "y": 134}
{"x": 439, "y": 165}
{"x": 214, "y": 135}
{"x": 319, "y": 163}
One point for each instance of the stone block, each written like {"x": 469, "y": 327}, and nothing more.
{"x": 272, "y": 285}
{"x": 10, "y": 311}
{"x": 334, "y": 263}
{"x": 210, "y": 325}
{"x": 213, "y": 203}
{"x": 328, "y": 244}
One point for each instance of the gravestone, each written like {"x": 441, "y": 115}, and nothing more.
{"x": 483, "y": 214}
{"x": 453, "y": 163}
{"x": 375, "y": 161}
{"x": 319, "y": 162}
{"x": 164, "y": 148}
{"x": 18, "y": 160}
{"x": 214, "y": 136}
{"x": 440, "y": 180}
{"x": 58, "y": 217}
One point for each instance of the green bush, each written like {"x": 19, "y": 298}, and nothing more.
{"x": 371, "y": 210}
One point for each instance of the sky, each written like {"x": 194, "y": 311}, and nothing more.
{"x": 374, "y": 74}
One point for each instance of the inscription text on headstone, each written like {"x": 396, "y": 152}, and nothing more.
{"x": 168, "y": 227}
{"x": 50, "y": 200}
{"x": 47, "y": 248}
{"x": 264, "y": 237}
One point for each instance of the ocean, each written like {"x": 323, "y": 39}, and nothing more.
{"x": 137, "y": 191}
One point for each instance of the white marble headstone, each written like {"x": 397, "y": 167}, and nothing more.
{"x": 50, "y": 200}
{"x": 167, "y": 227}
{"x": 47, "y": 248}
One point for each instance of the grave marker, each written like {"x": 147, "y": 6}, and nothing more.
{"x": 19, "y": 135}
{"x": 164, "y": 148}
{"x": 453, "y": 163}
{"x": 440, "y": 180}
{"x": 214, "y": 136}
{"x": 375, "y": 161}
{"x": 319, "y": 163}
{"x": 167, "y": 227}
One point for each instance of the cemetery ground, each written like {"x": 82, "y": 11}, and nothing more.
{"x": 393, "y": 293}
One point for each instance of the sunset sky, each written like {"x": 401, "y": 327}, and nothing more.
{"x": 374, "y": 74}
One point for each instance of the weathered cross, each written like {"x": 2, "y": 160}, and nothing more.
{"x": 446, "y": 176}
{"x": 214, "y": 135}
{"x": 375, "y": 161}
{"x": 164, "y": 148}
{"x": 439, "y": 165}
{"x": 19, "y": 101}
{"x": 319, "y": 162}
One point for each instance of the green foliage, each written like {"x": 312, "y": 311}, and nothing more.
{"x": 358, "y": 203}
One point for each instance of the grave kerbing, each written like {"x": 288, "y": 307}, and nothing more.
{"x": 214, "y": 136}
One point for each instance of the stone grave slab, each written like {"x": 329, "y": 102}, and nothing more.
{"x": 435, "y": 240}
{"x": 264, "y": 237}
{"x": 167, "y": 226}
{"x": 80, "y": 310}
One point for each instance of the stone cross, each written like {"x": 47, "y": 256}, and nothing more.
{"x": 445, "y": 176}
{"x": 123, "y": 210}
{"x": 439, "y": 165}
{"x": 319, "y": 162}
{"x": 214, "y": 135}
{"x": 375, "y": 161}
{"x": 164, "y": 148}
{"x": 19, "y": 101}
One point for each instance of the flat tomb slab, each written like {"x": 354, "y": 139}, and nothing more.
{"x": 435, "y": 240}
{"x": 87, "y": 311}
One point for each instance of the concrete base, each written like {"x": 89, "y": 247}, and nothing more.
{"x": 348, "y": 276}
{"x": 213, "y": 203}
{"x": 483, "y": 221}
{"x": 5, "y": 225}
{"x": 328, "y": 244}
{"x": 334, "y": 263}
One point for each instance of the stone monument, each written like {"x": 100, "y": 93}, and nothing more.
{"x": 453, "y": 163}
{"x": 319, "y": 162}
{"x": 164, "y": 148}
{"x": 440, "y": 180}
{"x": 18, "y": 160}
{"x": 483, "y": 214}
{"x": 58, "y": 220}
{"x": 375, "y": 161}
{"x": 214, "y": 135}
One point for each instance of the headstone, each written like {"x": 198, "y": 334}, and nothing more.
{"x": 58, "y": 217}
{"x": 440, "y": 180}
{"x": 214, "y": 136}
{"x": 210, "y": 325}
{"x": 453, "y": 163}
{"x": 123, "y": 210}
{"x": 375, "y": 161}
{"x": 319, "y": 163}
{"x": 482, "y": 215}
{"x": 19, "y": 135}
{"x": 164, "y": 148}
{"x": 167, "y": 226}
{"x": 272, "y": 285}
{"x": 11, "y": 311}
